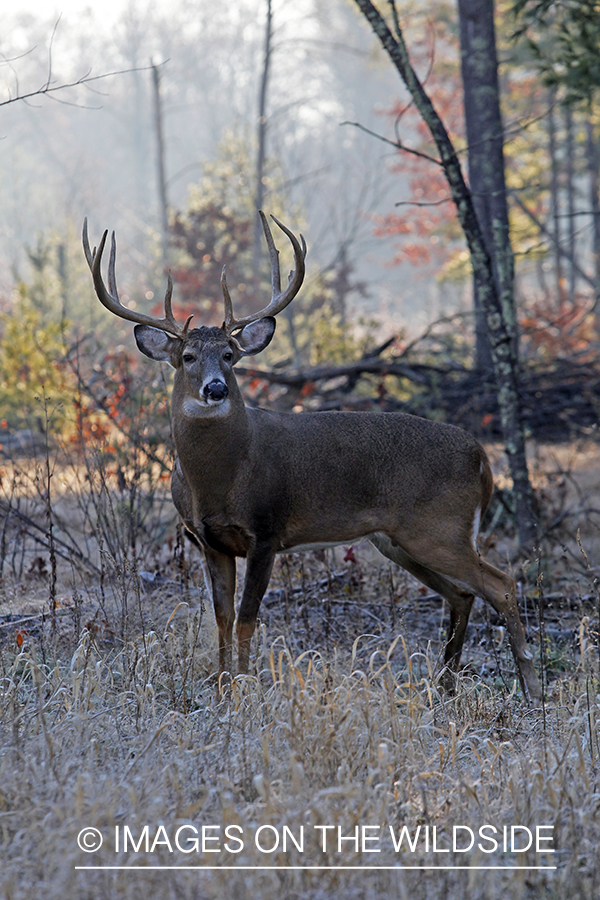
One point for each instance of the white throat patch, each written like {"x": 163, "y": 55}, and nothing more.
{"x": 195, "y": 408}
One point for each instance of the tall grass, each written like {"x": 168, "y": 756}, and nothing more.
{"x": 110, "y": 716}
{"x": 135, "y": 736}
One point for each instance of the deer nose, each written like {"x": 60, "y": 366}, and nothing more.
{"x": 215, "y": 390}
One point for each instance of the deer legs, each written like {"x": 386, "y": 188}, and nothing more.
{"x": 460, "y": 603}
{"x": 221, "y": 569}
{"x": 458, "y": 576}
{"x": 258, "y": 572}
{"x": 499, "y": 590}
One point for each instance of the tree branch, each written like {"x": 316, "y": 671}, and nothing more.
{"x": 543, "y": 230}
{"x": 85, "y": 79}
{"x": 398, "y": 145}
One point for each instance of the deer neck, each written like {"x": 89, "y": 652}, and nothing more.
{"x": 211, "y": 448}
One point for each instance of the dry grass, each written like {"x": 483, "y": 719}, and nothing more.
{"x": 103, "y": 740}
{"x": 109, "y": 718}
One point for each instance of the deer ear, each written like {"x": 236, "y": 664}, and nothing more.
{"x": 256, "y": 336}
{"x": 156, "y": 344}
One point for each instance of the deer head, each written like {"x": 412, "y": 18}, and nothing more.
{"x": 203, "y": 357}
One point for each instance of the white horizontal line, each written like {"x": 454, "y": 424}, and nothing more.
{"x": 336, "y": 868}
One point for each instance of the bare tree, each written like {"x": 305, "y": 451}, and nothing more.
{"x": 555, "y": 191}
{"x": 485, "y": 138}
{"x": 593, "y": 167}
{"x": 160, "y": 161}
{"x": 262, "y": 129}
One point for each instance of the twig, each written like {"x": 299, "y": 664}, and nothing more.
{"x": 396, "y": 144}
{"x": 85, "y": 79}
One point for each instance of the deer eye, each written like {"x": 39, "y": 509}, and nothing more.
{"x": 228, "y": 356}
{"x": 188, "y": 358}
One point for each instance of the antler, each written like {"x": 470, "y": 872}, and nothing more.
{"x": 279, "y": 299}
{"x": 110, "y": 298}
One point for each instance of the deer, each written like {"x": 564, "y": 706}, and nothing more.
{"x": 251, "y": 482}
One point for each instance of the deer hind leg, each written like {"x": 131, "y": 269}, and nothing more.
{"x": 499, "y": 590}
{"x": 221, "y": 569}
{"x": 460, "y": 602}
{"x": 458, "y": 561}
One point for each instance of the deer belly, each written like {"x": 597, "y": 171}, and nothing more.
{"x": 323, "y": 534}
{"x": 322, "y": 545}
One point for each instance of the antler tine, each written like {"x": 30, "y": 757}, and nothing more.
{"x": 169, "y": 317}
{"x": 110, "y": 297}
{"x": 86, "y": 245}
{"x": 168, "y": 296}
{"x": 273, "y": 253}
{"x": 229, "y": 321}
{"x": 112, "y": 259}
{"x": 279, "y": 299}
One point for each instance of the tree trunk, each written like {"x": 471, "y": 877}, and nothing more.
{"x": 500, "y": 333}
{"x": 262, "y": 133}
{"x": 570, "y": 151}
{"x": 160, "y": 163}
{"x": 485, "y": 137}
{"x": 593, "y": 167}
{"x": 555, "y": 197}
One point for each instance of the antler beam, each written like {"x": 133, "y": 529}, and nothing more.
{"x": 279, "y": 299}
{"x": 109, "y": 297}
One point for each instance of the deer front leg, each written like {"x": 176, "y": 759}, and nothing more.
{"x": 258, "y": 572}
{"x": 221, "y": 569}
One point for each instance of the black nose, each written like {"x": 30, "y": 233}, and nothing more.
{"x": 215, "y": 390}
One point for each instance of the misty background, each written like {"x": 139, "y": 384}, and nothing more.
{"x": 91, "y": 149}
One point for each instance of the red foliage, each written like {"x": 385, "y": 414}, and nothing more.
{"x": 350, "y": 556}
{"x": 89, "y": 424}
{"x": 429, "y": 216}
{"x": 212, "y": 237}
{"x": 112, "y": 387}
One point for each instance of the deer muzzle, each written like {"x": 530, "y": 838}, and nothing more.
{"x": 215, "y": 391}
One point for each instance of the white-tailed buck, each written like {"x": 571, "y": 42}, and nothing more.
{"x": 252, "y": 483}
